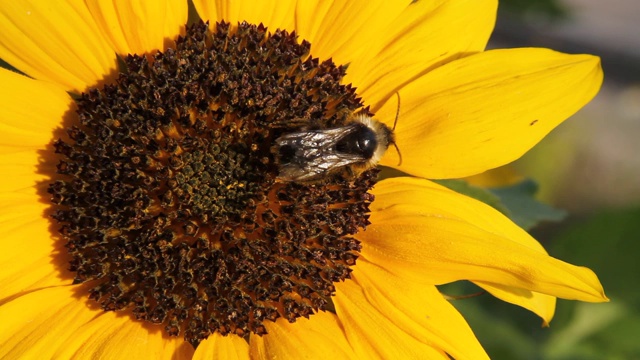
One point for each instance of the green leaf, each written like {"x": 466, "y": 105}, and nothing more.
{"x": 524, "y": 209}
{"x": 596, "y": 331}
{"x": 607, "y": 243}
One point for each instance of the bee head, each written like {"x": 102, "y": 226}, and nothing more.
{"x": 371, "y": 138}
{"x": 362, "y": 141}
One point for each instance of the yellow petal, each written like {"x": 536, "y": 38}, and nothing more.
{"x": 30, "y": 113}
{"x": 137, "y": 27}
{"x": 30, "y": 110}
{"x": 424, "y": 35}
{"x": 207, "y": 10}
{"x": 418, "y": 310}
{"x": 30, "y": 259}
{"x": 220, "y": 347}
{"x": 423, "y": 197}
{"x": 374, "y": 335}
{"x": 60, "y": 44}
{"x": 319, "y": 337}
{"x": 540, "y": 304}
{"x": 433, "y": 235}
{"x": 344, "y": 30}
{"x": 310, "y": 15}
{"x": 26, "y": 172}
{"x": 275, "y": 14}
{"x": 111, "y": 335}
{"x": 487, "y": 109}
{"x": 20, "y": 171}
{"x": 35, "y": 325}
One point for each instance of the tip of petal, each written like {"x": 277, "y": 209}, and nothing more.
{"x": 604, "y": 297}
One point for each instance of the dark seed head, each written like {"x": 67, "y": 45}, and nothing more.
{"x": 168, "y": 199}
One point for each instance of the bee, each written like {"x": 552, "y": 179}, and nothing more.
{"x": 312, "y": 155}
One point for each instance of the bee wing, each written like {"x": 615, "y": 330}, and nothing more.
{"x": 316, "y": 168}
{"x": 309, "y": 155}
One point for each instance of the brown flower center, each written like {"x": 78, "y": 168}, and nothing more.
{"x": 169, "y": 200}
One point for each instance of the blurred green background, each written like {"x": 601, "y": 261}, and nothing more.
{"x": 589, "y": 166}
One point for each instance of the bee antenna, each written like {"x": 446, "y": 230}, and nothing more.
{"x": 399, "y": 153}
{"x": 395, "y": 122}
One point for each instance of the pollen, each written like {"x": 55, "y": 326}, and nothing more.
{"x": 167, "y": 195}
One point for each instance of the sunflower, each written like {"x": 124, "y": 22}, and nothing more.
{"x": 144, "y": 215}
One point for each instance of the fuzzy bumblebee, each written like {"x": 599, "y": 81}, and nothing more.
{"x": 312, "y": 155}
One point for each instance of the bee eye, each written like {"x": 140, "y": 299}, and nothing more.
{"x": 367, "y": 142}
{"x": 364, "y": 144}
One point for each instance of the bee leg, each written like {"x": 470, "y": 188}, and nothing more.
{"x": 350, "y": 172}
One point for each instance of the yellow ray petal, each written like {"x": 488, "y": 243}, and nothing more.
{"x": 423, "y": 232}
{"x": 441, "y": 250}
{"x": 344, "y": 30}
{"x": 275, "y": 14}
{"x": 412, "y": 194}
{"x": 319, "y": 337}
{"x": 26, "y": 171}
{"x": 36, "y": 275}
{"x": 111, "y": 335}
{"x": 374, "y": 335}
{"x": 20, "y": 171}
{"x": 60, "y": 44}
{"x": 424, "y": 35}
{"x": 206, "y": 9}
{"x": 220, "y": 347}
{"x": 29, "y": 111}
{"x": 35, "y": 325}
{"x": 486, "y": 110}
{"x": 416, "y": 309}
{"x": 310, "y": 15}
{"x": 30, "y": 258}
{"x": 137, "y": 27}
{"x": 540, "y": 304}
